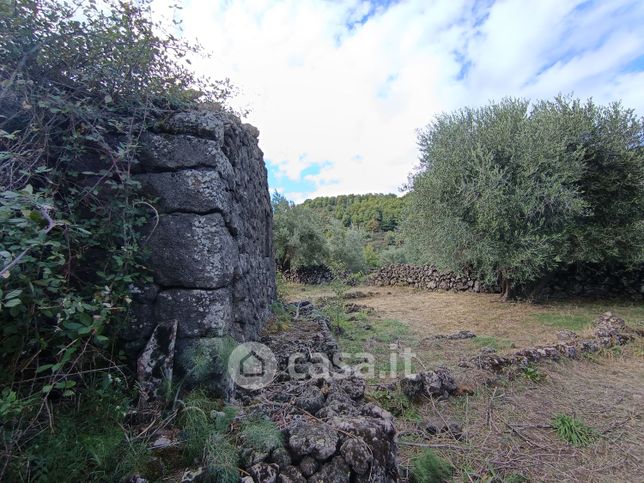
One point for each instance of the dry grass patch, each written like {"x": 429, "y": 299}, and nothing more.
{"x": 509, "y": 429}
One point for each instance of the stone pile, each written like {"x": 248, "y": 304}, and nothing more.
{"x": 426, "y": 277}
{"x": 210, "y": 243}
{"x": 314, "y": 275}
{"x": 610, "y": 331}
{"x": 331, "y": 433}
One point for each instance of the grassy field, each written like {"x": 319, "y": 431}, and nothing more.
{"x": 508, "y": 425}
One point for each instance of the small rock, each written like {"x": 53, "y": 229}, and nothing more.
{"x": 280, "y": 457}
{"x": 566, "y": 335}
{"x": 311, "y": 400}
{"x": 264, "y": 472}
{"x": 316, "y": 440}
{"x": 357, "y": 454}
{"x": 335, "y": 471}
{"x": 290, "y": 474}
{"x": 194, "y": 475}
{"x": 308, "y": 466}
{"x": 436, "y": 426}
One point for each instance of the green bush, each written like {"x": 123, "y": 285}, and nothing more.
{"x": 297, "y": 234}
{"x": 85, "y": 443}
{"x": 80, "y": 83}
{"x": 346, "y": 247}
{"x": 428, "y": 467}
{"x": 261, "y": 434}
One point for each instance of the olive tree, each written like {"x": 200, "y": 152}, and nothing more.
{"x": 513, "y": 191}
{"x": 298, "y": 236}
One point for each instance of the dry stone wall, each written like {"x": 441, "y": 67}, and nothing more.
{"x": 427, "y": 277}
{"x": 209, "y": 243}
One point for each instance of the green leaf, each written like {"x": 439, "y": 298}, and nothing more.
{"x": 13, "y": 294}
{"x": 43, "y": 368}
{"x": 12, "y": 303}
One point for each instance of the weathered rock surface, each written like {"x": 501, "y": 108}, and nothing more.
{"x": 438, "y": 383}
{"x": 210, "y": 239}
{"x": 331, "y": 433}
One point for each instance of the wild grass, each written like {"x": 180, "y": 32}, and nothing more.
{"x": 261, "y": 434}
{"x": 574, "y": 322}
{"x": 573, "y": 431}
{"x": 87, "y": 442}
{"x": 396, "y": 403}
{"x": 495, "y": 343}
{"x": 428, "y": 467}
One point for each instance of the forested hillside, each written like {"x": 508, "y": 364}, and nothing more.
{"x": 371, "y": 212}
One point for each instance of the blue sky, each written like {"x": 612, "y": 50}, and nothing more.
{"x": 338, "y": 88}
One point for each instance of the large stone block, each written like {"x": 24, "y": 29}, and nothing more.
{"x": 204, "y": 124}
{"x": 195, "y": 191}
{"x": 192, "y": 251}
{"x": 167, "y": 152}
{"x": 200, "y": 313}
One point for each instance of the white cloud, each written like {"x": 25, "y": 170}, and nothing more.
{"x": 327, "y": 89}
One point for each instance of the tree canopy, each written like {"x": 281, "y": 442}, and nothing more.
{"x": 372, "y": 212}
{"x": 512, "y": 190}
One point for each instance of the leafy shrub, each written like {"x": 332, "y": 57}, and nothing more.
{"x": 393, "y": 255}
{"x": 80, "y": 83}
{"x": 428, "y": 467}
{"x": 346, "y": 247}
{"x": 573, "y": 431}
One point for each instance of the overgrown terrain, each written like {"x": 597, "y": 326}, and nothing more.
{"x": 573, "y": 420}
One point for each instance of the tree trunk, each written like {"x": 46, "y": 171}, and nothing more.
{"x": 506, "y": 287}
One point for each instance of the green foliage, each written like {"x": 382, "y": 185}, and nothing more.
{"x": 205, "y": 429}
{"x": 573, "y": 431}
{"x": 221, "y": 459}
{"x": 212, "y": 441}
{"x": 298, "y": 235}
{"x": 80, "y": 83}
{"x": 393, "y": 255}
{"x": 281, "y": 317}
{"x": 428, "y": 467}
{"x": 396, "y": 403}
{"x": 532, "y": 373}
{"x": 514, "y": 192}
{"x": 371, "y": 212}
{"x": 346, "y": 247}
{"x": 371, "y": 257}
{"x": 261, "y": 434}
{"x": 86, "y": 442}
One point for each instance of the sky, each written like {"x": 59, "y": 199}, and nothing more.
{"x": 338, "y": 88}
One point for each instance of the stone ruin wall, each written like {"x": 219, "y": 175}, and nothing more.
{"x": 426, "y": 277}
{"x": 210, "y": 248}
{"x": 583, "y": 282}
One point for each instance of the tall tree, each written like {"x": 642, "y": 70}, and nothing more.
{"x": 512, "y": 191}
